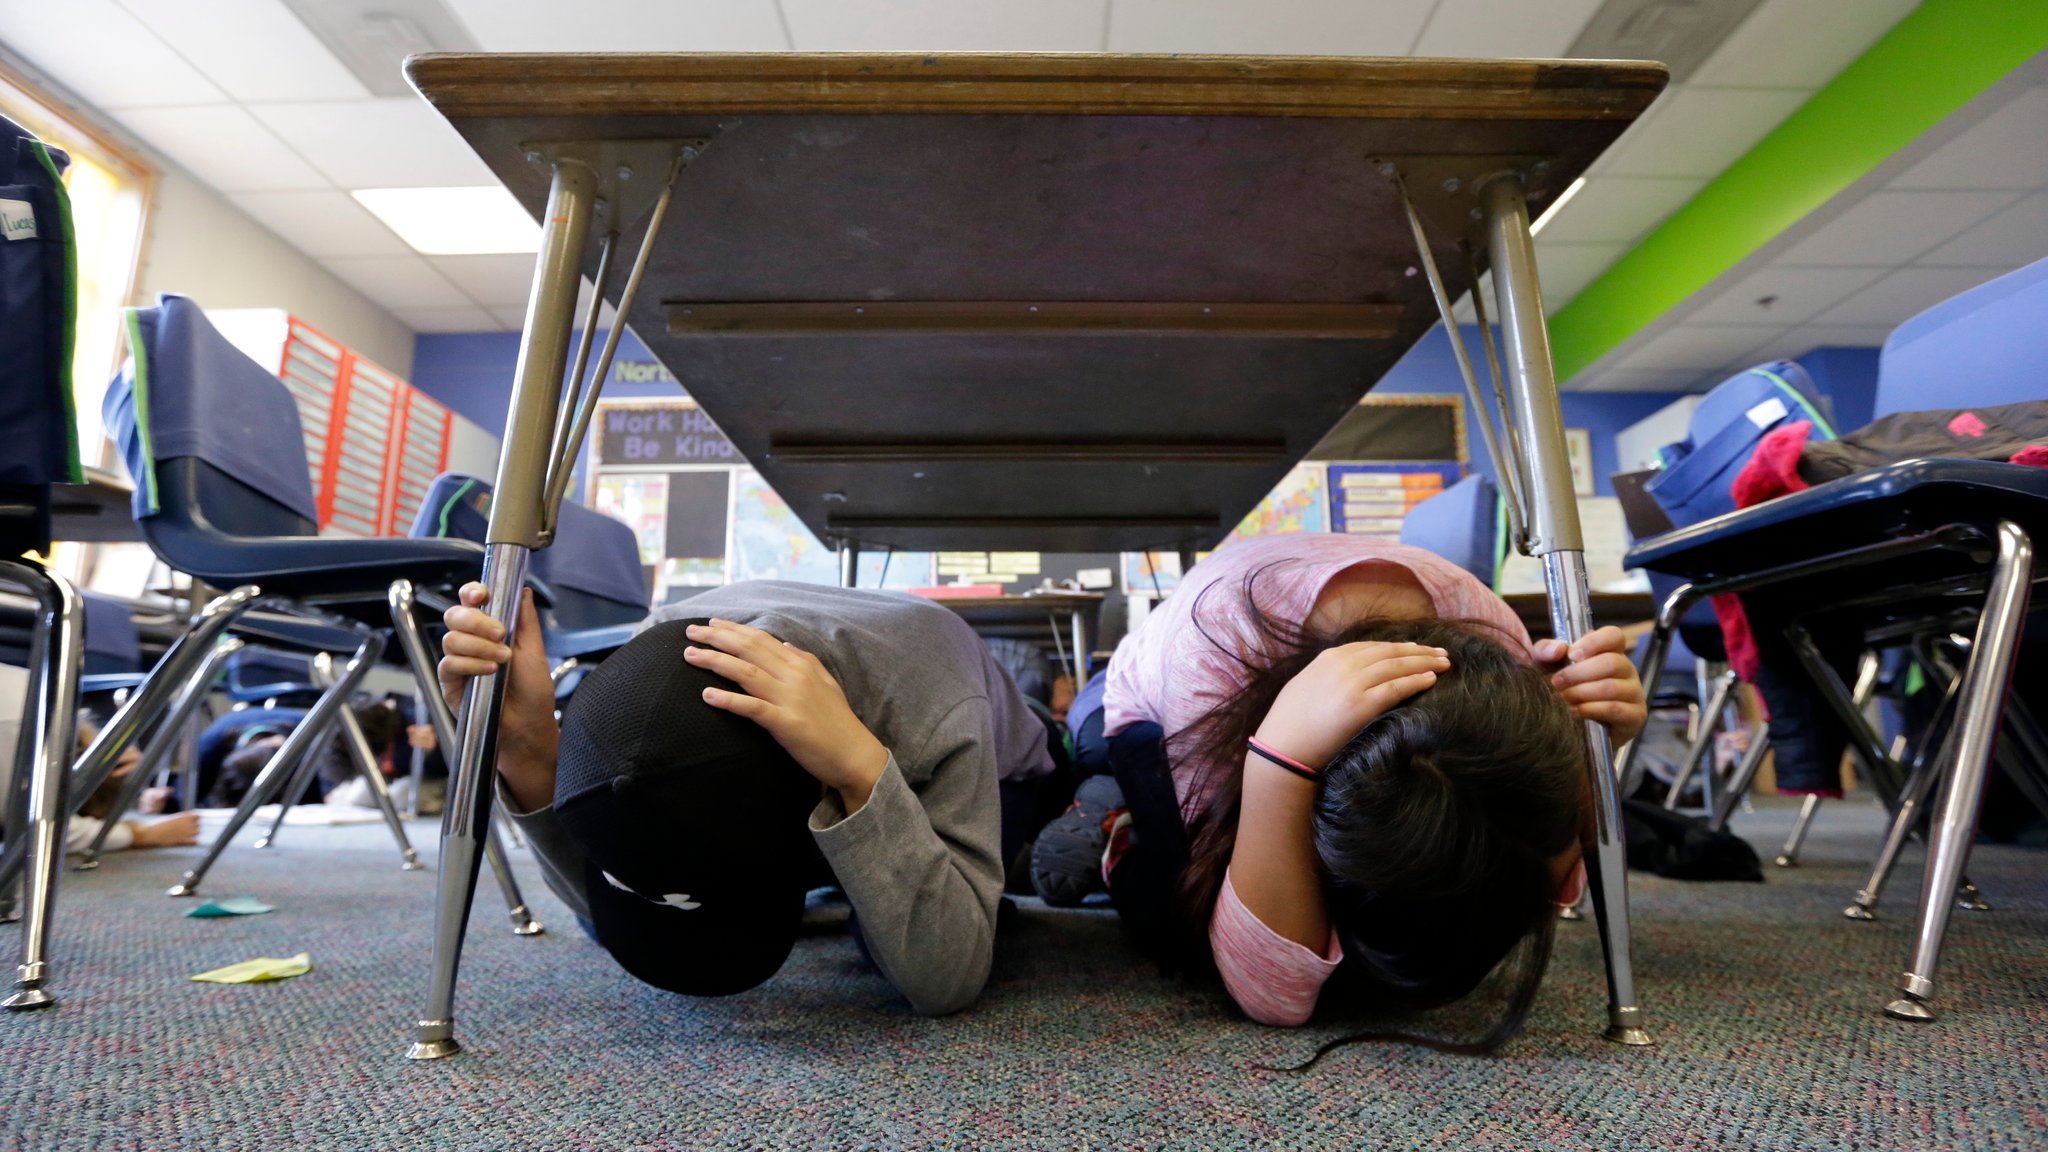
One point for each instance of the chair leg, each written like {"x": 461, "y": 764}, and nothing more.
{"x": 1984, "y": 684}
{"x": 57, "y": 656}
{"x": 1745, "y": 775}
{"x": 1655, "y": 653}
{"x": 298, "y": 784}
{"x": 270, "y": 782}
{"x": 1788, "y": 857}
{"x": 1555, "y": 537}
{"x": 357, "y": 744}
{"x": 91, "y": 768}
{"x": 169, "y": 733}
{"x": 1702, "y": 744}
{"x": 523, "y": 923}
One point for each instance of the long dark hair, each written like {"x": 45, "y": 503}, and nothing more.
{"x": 1435, "y": 827}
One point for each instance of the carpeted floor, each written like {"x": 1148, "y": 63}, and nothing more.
{"x": 1764, "y": 1000}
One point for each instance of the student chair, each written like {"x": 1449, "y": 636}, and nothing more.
{"x": 1462, "y": 524}
{"x": 222, "y": 492}
{"x": 1908, "y": 552}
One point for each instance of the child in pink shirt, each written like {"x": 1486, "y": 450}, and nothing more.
{"x": 1371, "y": 768}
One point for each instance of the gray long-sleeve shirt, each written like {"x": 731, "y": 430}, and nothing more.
{"x": 920, "y": 861}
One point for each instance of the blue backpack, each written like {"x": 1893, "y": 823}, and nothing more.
{"x": 38, "y": 312}
{"x": 1723, "y": 434}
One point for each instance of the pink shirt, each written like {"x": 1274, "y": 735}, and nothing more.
{"x": 1176, "y": 667}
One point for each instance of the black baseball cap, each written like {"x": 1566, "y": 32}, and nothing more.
{"x": 693, "y": 822}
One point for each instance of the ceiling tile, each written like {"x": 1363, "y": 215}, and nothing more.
{"x": 396, "y": 282}
{"x": 2016, "y": 236}
{"x": 515, "y": 318}
{"x": 449, "y": 320}
{"x": 1904, "y": 294}
{"x": 2004, "y": 150}
{"x": 1799, "y": 43}
{"x": 1795, "y": 295}
{"x": 1696, "y": 347}
{"x": 225, "y": 146}
{"x": 1619, "y": 209}
{"x": 1805, "y": 338}
{"x": 394, "y": 143}
{"x": 1892, "y": 227}
{"x": 623, "y": 25}
{"x": 1488, "y": 29}
{"x": 1317, "y": 27}
{"x": 945, "y": 25}
{"x": 255, "y": 49}
{"x": 325, "y": 223}
{"x": 492, "y": 281}
{"x": 1695, "y": 131}
{"x": 1566, "y": 269}
{"x": 1634, "y": 381}
{"x": 102, "y": 54}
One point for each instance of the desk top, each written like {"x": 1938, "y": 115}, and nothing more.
{"x": 1058, "y": 303}
{"x": 97, "y": 511}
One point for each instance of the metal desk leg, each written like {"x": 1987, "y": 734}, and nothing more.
{"x": 168, "y": 733}
{"x": 1984, "y": 685}
{"x": 44, "y": 754}
{"x": 849, "y": 564}
{"x": 1079, "y": 627}
{"x": 515, "y": 530}
{"x": 435, "y": 710}
{"x": 1554, "y": 537}
{"x": 270, "y": 782}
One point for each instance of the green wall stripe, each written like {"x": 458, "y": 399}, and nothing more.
{"x": 1941, "y": 56}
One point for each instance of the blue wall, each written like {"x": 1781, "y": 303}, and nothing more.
{"x": 472, "y": 373}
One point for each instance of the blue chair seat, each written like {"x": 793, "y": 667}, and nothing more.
{"x": 1903, "y": 499}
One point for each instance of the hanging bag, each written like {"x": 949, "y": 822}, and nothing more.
{"x": 1724, "y": 432}
{"x": 38, "y": 312}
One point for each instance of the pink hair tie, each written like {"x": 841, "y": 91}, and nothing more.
{"x": 1284, "y": 761}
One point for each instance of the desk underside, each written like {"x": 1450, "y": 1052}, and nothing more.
{"x": 1059, "y": 303}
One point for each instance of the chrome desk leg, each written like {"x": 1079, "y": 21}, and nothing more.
{"x": 517, "y": 514}
{"x": 1553, "y": 520}
{"x": 435, "y": 709}
{"x": 1984, "y": 684}
{"x": 269, "y": 783}
{"x": 44, "y": 754}
{"x": 849, "y": 564}
{"x": 168, "y": 733}
{"x": 1079, "y": 627}
{"x": 90, "y": 770}
{"x": 1789, "y": 857}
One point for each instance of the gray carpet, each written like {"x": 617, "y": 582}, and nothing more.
{"x": 1765, "y": 1002}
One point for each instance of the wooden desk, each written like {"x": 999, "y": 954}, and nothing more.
{"x": 1620, "y": 609}
{"x": 1034, "y": 302}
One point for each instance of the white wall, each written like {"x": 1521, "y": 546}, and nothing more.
{"x": 204, "y": 247}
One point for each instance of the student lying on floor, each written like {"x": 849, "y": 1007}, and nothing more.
{"x": 786, "y": 737}
{"x": 1338, "y": 759}
{"x": 169, "y": 832}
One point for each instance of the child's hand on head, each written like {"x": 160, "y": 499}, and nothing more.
{"x": 1599, "y": 681}
{"x": 1341, "y": 691}
{"x": 789, "y": 692}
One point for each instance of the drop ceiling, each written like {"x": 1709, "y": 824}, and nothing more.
{"x": 248, "y": 98}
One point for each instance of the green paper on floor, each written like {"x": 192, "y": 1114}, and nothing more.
{"x": 232, "y": 906}
{"x": 258, "y": 970}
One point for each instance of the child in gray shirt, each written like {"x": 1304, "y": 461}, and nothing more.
{"x": 668, "y": 822}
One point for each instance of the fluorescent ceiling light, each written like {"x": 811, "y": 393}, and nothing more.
{"x": 454, "y": 221}
{"x": 1563, "y": 198}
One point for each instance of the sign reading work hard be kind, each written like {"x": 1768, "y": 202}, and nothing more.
{"x": 661, "y": 433}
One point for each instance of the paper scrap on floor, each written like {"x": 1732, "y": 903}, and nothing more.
{"x": 232, "y": 906}
{"x": 259, "y": 970}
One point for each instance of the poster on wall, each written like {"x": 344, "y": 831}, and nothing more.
{"x": 768, "y": 542}
{"x": 640, "y": 501}
{"x": 1373, "y": 499}
{"x": 1296, "y": 504}
{"x": 1578, "y": 445}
